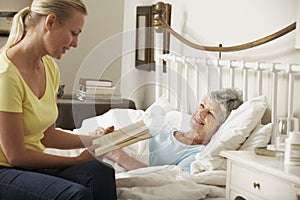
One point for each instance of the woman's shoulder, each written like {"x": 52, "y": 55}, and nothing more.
{"x": 8, "y": 72}
{"x": 5, "y": 63}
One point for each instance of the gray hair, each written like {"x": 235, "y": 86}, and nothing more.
{"x": 228, "y": 98}
{"x": 30, "y": 16}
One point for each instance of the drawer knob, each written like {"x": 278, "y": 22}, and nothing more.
{"x": 256, "y": 185}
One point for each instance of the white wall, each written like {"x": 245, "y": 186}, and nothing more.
{"x": 134, "y": 82}
{"x": 231, "y": 22}
{"x": 235, "y": 22}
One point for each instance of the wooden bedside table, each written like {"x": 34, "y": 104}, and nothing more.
{"x": 251, "y": 176}
{"x": 73, "y": 111}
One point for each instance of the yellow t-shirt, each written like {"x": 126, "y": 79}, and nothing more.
{"x": 16, "y": 96}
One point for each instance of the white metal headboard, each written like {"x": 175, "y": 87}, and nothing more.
{"x": 179, "y": 72}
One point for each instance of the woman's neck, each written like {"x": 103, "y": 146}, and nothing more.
{"x": 189, "y": 138}
{"x": 26, "y": 53}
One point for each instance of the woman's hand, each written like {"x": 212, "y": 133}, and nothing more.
{"x": 88, "y": 154}
{"x": 101, "y": 131}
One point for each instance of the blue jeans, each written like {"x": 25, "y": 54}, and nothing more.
{"x": 90, "y": 180}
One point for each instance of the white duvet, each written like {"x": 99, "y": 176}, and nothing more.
{"x": 160, "y": 182}
{"x": 168, "y": 182}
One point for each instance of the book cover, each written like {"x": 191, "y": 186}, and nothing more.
{"x": 264, "y": 151}
{"x": 123, "y": 137}
{"x": 106, "y": 98}
{"x": 95, "y": 82}
{"x": 96, "y": 90}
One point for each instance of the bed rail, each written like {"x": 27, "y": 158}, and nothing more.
{"x": 160, "y": 24}
{"x": 184, "y": 73}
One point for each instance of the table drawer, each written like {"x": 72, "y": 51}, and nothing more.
{"x": 259, "y": 183}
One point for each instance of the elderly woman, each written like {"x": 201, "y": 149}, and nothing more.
{"x": 174, "y": 147}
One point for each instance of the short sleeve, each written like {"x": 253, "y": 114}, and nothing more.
{"x": 11, "y": 93}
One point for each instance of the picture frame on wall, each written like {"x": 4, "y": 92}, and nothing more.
{"x": 144, "y": 39}
{"x": 144, "y": 55}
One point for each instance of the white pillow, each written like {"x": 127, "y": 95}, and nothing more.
{"x": 179, "y": 120}
{"x": 160, "y": 107}
{"x": 232, "y": 134}
{"x": 118, "y": 117}
{"x": 260, "y": 137}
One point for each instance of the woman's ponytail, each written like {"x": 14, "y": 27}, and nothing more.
{"x": 17, "y": 29}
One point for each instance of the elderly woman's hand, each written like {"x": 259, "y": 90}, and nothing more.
{"x": 115, "y": 155}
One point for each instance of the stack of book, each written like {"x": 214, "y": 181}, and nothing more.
{"x": 96, "y": 89}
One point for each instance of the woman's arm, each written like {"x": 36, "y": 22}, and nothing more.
{"x": 54, "y": 138}
{"x": 122, "y": 158}
{"x": 59, "y": 139}
{"x": 18, "y": 155}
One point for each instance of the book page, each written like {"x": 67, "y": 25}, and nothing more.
{"x": 122, "y": 137}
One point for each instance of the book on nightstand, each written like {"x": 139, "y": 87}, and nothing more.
{"x": 95, "y": 82}
{"x": 123, "y": 137}
{"x": 97, "y": 90}
{"x": 265, "y": 151}
{"x": 94, "y": 89}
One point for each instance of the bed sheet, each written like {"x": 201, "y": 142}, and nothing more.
{"x": 159, "y": 182}
{"x": 166, "y": 182}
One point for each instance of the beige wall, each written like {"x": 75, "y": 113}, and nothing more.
{"x": 13, "y": 5}
{"x": 105, "y": 19}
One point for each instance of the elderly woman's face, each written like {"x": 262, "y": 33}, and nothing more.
{"x": 206, "y": 120}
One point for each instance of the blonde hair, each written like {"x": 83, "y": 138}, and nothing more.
{"x": 30, "y": 16}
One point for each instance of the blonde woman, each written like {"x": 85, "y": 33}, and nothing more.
{"x": 29, "y": 80}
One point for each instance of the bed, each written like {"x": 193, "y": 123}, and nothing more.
{"x": 208, "y": 175}
{"x": 243, "y": 130}
{"x": 177, "y": 93}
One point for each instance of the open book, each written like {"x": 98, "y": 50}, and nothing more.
{"x": 123, "y": 137}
